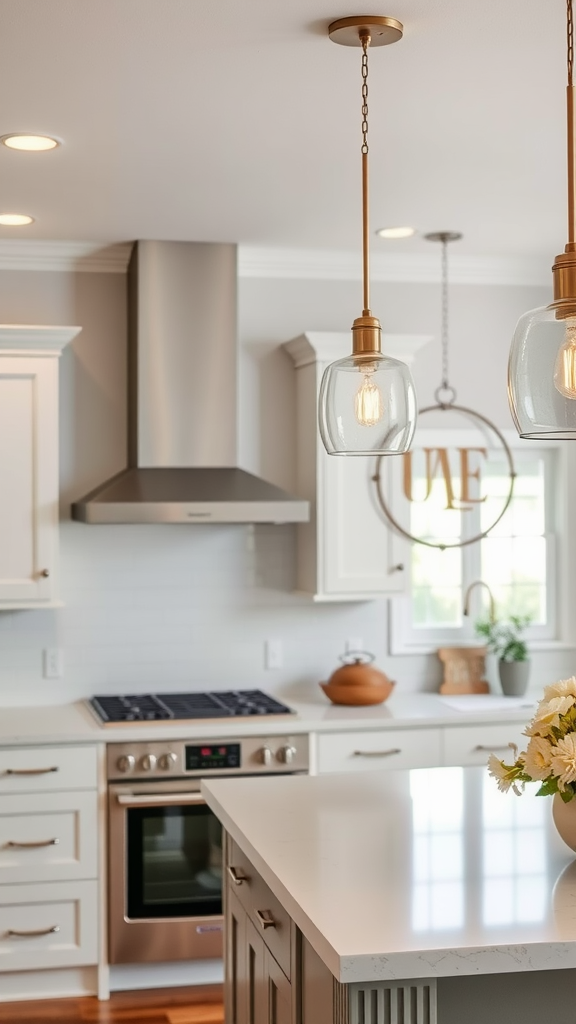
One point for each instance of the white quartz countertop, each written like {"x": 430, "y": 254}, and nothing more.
{"x": 410, "y": 874}
{"x": 74, "y": 723}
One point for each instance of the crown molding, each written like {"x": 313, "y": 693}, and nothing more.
{"x": 90, "y": 257}
{"x": 291, "y": 264}
{"x": 38, "y": 338}
{"x": 418, "y": 268}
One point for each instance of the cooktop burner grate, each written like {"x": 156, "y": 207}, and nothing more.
{"x": 149, "y": 707}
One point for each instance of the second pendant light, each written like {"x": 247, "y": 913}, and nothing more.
{"x": 367, "y": 400}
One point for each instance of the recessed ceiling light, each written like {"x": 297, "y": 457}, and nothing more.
{"x": 396, "y": 232}
{"x": 31, "y": 143}
{"x": 15, "y": 219}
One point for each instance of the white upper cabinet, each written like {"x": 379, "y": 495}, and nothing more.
{"x": 346, "y": 552}
{"x": 29, "y": 464}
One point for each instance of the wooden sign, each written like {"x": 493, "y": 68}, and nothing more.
{"x": 464, "y": 669}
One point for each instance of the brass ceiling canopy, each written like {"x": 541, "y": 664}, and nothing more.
{"x": 381, "y": 31}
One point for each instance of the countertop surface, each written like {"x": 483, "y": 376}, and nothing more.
{"x": 410, "y": 874}
{"x": 75, "y": 723}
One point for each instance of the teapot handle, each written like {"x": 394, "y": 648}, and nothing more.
{"x": 357, "y": 658}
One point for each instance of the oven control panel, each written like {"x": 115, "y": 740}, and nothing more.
{"x": 177, "y": 759}
{"x": 212, "y": 755}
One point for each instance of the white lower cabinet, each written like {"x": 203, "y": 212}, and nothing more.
{"x": 425, "y": 747}
{"x": 383, "y": 748}
{"x": 473, "y": 744}
{"x": 49, "y": 890}
{"x": 48, "y": 837}
{"x": 48, "y": 925}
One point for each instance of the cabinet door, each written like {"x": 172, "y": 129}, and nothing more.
{"x": 28, "y": 478}
{"x": 362, "y": 556}
{"x": 279, "y": 992}
{"x": 235, "y": 981}
{"x": 245, "y": 987}
{"x": 256, "y": 988}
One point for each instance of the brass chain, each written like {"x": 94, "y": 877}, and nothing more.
{"x": 445, "y": 383}
{"x": 570, "y": 41}
{"x": 365, "y": 43}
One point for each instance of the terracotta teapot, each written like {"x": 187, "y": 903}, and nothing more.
{"x": 357, "y": 681}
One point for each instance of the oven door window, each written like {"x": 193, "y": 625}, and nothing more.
{"x": 173, "y": 862}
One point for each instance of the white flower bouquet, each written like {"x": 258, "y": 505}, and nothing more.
{"x": 550, "y": 756}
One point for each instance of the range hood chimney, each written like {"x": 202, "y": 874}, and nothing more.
{"x": 182, "y": 401}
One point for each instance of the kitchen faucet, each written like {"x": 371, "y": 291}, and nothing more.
{"x": 480, "y": 583}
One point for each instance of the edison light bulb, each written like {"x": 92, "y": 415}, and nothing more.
{"x": 368, "y": 404}
{"x": 565, "y": 368}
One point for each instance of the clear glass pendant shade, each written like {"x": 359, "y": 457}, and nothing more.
{"x": 367, "y": 406}
{"x": 542, "y": 373}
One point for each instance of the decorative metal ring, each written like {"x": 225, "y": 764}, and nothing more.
{"x": 446, "y": 389}
{"x": 442, "y": 407}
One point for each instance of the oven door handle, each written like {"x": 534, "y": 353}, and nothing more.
{"x": 159, "y": 799}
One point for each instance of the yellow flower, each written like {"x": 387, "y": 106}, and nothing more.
{"x": 563, "y": 761}
{"x": 537, "y": 757}
{"x": 547, "y": 716}
{"x": 563, "y": 688}
{"x": 501, "y": 773}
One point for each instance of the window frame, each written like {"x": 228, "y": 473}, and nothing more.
{"x": 404, "y": 638}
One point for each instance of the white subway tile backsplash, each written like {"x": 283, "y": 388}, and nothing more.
{"x": 162, "y": 608}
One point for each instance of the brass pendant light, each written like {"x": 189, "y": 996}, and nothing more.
{"x": 367, "y": 400}
{"x": 542, "y": 365}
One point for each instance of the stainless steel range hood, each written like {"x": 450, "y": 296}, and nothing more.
{"x": 182, "y": 431}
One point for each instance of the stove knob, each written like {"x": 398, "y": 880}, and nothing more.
{"x": 265, "y": 755}
{"x": 165, "y": 761}
{"x": 125, "y": 763}
{"x": 286, "y": 754}
{"x": 148, "y": 762}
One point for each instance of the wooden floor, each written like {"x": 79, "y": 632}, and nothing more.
{"x": 197, "y": 1005}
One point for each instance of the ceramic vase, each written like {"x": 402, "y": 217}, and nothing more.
{"x": 514, "y": 677}
{"x": 565, "y": 820}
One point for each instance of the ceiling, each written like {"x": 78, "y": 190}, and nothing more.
{"x": 240, "y": 121}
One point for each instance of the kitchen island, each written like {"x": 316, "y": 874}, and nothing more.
{"x": 400, "y": 897}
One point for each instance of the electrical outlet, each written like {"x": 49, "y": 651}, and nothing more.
{"x": 354, "y": 643}
{"x": 273, "y": 654}
{"x": 52, "y": 663}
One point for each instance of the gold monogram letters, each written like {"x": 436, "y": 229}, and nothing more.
{"x": 438, "y": 461}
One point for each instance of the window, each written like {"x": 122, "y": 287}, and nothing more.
{"x": 516, "y": 559}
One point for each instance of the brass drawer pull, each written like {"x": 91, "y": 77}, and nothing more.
{"x": 33, "y": 934}
{"x": 32, "y": 845}
{"x": 31, "y": 771}
{"x": 489, "y": 750}
{"x": 237, "y": 875}
{"x": 376, "y": 753}
{"x": 265, "y": 919}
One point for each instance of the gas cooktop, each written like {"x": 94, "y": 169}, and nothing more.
{"x": 150, "y": 707}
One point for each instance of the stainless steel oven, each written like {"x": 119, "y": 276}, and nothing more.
{"x": 165, "y": 844}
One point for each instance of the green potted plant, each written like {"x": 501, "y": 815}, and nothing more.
{"x": 504, "y": 639}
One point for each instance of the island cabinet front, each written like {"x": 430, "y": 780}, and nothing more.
{"x": 260, "y": 948}
{"x": 274, "y": 976}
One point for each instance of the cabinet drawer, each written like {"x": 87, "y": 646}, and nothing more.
{"x": 473, "y": 744}
{"x": 261, "y": 905}
{"x": 48, "y": 837}
{"x": 57, "y": 923}
{"x": 375, "y": 751}
{"x": 45, "y": 769}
